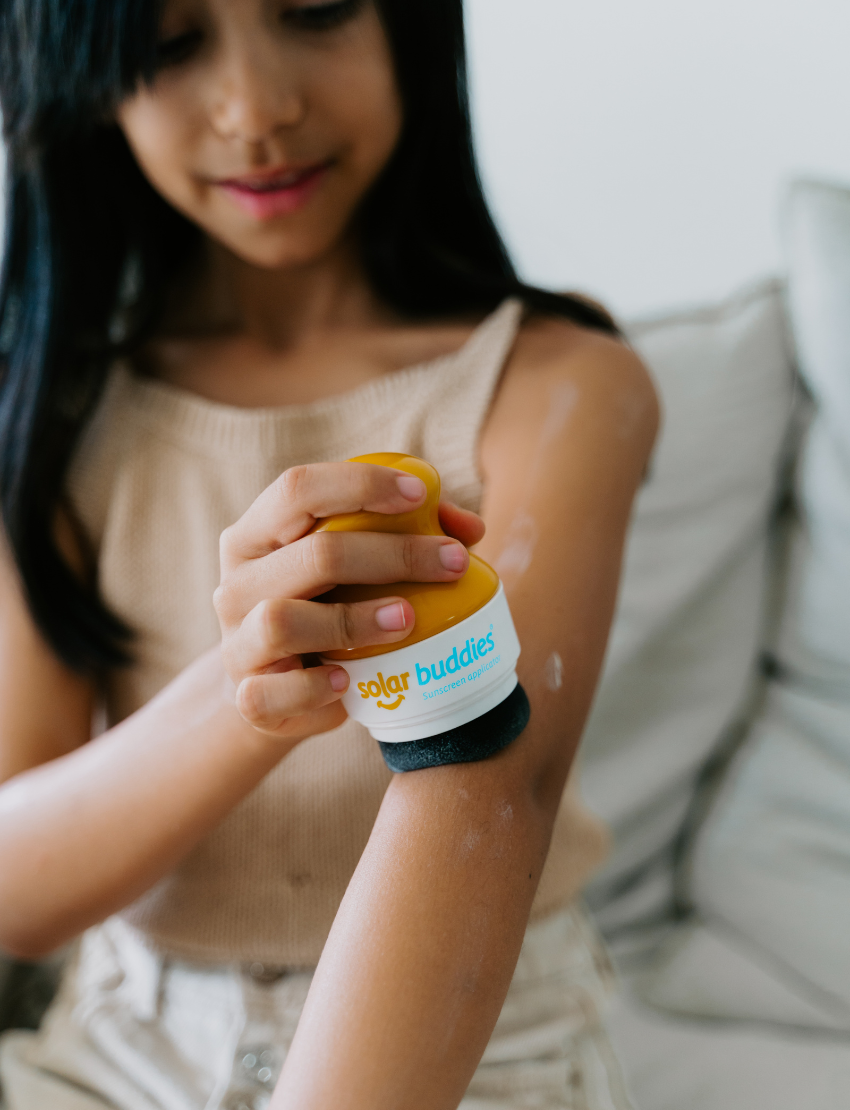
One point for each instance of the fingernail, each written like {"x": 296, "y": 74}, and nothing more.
{"x": 411, "y": 487}
{"x": 339, "y": 680}
{"x": 391, "y": 618}
{"x": 453, "y": 556}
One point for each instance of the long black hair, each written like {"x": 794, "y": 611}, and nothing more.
{"x": 91, "y": 249}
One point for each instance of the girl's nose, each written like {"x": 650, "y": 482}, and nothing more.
{"x": 252, "y": 105}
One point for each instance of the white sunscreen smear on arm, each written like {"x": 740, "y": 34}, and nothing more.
{"x": 554, "y": 672}
{"x": 518, "y": 551}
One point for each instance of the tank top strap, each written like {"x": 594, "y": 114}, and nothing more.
{"x": 468, "y": 383}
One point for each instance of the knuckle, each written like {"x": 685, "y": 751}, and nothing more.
{"x": 368, "y": 482}
{"x": 227, "y": 543}
{"x": 347, "y": 626}
{"x": 293, "y": 482}
{"x": 230, "y": 658}
{"x": 251, "y": 702}
{"x": 223, "y": 603}
{"x": 273, "y": 621}
{"x": 218, "y": 599}
{"x": 409, "y": 553}
{"x": 327, "y": 556}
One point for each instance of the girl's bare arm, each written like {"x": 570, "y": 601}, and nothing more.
{"x": 87, "y": 827}
{"x": 420, "y": 958}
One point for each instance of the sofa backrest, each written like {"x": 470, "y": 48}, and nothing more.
{"x": 687, "y": 632}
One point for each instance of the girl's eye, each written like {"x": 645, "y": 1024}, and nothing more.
{"x": 179, "y": 48}
{"x": 322, "y": 17}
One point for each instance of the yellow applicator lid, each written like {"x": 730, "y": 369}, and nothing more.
{"x": 437, "y": 605}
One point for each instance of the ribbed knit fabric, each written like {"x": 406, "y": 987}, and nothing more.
{"x": 159, "y": 475}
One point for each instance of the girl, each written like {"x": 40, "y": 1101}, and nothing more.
{"x": 246, "y": 241}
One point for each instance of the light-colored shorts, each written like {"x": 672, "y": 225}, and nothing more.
{"x": 130, "y": 1030}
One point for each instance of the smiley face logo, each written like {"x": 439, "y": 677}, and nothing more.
{"x": 395, "y": 704}
{"x": 385, "y": 688}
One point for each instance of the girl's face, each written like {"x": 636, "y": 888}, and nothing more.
{"x": 268, "y": 120}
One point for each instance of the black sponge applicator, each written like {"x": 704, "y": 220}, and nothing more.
{"x": 468, "y": 743}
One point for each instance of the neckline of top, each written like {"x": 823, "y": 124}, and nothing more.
{"x": 164, "y": 397}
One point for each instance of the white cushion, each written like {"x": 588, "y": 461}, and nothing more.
{"x": 771, "y": 869}
{"x": 686, "y": 635}
{"x": 676, "y": 1064}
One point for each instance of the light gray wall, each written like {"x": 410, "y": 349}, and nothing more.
{"x": 637, "y": 148}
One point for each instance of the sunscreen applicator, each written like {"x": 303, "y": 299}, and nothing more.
{"x": 449, "y": 692}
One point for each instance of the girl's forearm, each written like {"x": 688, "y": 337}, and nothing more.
{"x": 84, "y": 835}
{"x": 418, "y": 963}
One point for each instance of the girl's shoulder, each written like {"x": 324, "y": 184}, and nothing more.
{"x": 564, "y": 380}
{"x": 548, "y": 348}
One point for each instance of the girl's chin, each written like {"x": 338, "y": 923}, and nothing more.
{"x": 267, "y": 251}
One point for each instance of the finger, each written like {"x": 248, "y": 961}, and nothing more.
{"x": 268, "y": 701}
{"x": 311, "y": 724}
{"x": 315, "y": 564}
{"x": 291, "y": 505}
{"x": 464, "y": 525}
{"x": 280, "y": 627}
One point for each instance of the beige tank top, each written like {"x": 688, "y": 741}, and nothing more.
{"x": 158, "y": 476}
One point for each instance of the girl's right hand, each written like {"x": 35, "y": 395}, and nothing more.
{"x": 271, "y": 569}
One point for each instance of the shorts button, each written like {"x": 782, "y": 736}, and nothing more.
{"x": 265, "y": 973}
{"x": 261, "y": 1064}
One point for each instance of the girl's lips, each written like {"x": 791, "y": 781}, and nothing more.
{"x": 279, "y": 193}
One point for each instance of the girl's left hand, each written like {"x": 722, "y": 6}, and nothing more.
{"x": 272, "y": 571}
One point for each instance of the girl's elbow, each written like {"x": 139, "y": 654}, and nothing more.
{"x": 30, "y": 941}
{"x": 18, "y": 946}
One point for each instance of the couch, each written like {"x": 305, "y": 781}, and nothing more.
{"x": 719, "y": 746}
